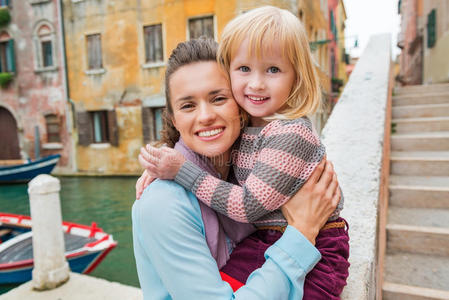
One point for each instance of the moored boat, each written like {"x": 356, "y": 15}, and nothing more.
{"x": 27, "y": 170}
{"x": 85, "y": 247}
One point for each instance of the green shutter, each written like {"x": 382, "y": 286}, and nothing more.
{"x": 431, "y": 28}
{"x": 11, "y": 64}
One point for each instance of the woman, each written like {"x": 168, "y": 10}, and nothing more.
{"x": 177, "y": 253}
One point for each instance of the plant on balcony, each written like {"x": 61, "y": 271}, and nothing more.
{"x": 5, "y": 16}
{"x": 5, "y": 79}
{"x": 337, "y": 83}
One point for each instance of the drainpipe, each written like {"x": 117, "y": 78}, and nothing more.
{"x": 70, "y": 111}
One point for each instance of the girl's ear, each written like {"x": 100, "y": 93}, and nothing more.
{"x": 174, "y": 122}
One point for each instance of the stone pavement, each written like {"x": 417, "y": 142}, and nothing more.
{"x": 79, "y": 287}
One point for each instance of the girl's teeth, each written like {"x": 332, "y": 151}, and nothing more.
{"x": 210, "y": 132}
{"x": 257, "y": 98}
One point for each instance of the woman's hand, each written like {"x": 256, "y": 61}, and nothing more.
{"x": 162, "y": 163}
{"x": 314, "y": 203}
{"x": 142, "y": 183}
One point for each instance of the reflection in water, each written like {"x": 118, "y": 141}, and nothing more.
{"x": 104, "y": 200}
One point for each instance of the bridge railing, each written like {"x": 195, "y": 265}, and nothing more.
{"x": 356, "y": 136}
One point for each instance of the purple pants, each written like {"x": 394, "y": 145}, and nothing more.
{"x": 325, "y": 281}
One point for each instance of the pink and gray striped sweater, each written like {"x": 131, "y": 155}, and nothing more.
{"x": 271, "y": 164}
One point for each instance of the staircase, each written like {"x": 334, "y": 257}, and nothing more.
{"x": 417, "y": 258}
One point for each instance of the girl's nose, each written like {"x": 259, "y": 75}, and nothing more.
{"x": 206, "y": 114}
{"x": 256, "y": 82}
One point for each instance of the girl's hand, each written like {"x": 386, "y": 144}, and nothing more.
{"x": 162, "y": 163}
{"x": 314, "y": 203}
{"x": 142, "y": 183}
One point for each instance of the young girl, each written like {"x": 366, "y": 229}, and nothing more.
{"x": 266, "y": 54}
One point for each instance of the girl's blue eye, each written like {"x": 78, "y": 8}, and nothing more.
{"x": 273, "y": 70}
{"x": 244, "y": 69}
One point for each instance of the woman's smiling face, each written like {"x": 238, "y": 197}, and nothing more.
{"x": 204, "y": 110}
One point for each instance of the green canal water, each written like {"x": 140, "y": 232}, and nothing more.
{"x": 104, "y": 200}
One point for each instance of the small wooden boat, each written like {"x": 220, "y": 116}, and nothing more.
{"x": 27, "y": 170}
{"x": 85, "y": 247}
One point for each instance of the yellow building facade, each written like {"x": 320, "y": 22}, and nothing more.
{"x": 116, "y": 54}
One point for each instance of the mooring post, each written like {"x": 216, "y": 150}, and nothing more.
{"x": 50, "y": 266}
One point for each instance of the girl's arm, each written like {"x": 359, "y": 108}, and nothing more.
{"x": 290, "y": 152}
{"x": 173, "y": 260}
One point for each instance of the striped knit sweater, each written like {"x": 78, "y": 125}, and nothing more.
{"x": 271, "y": 164}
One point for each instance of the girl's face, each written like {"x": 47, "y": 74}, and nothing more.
{"x": 261, "y": 86}
{"x": 204, "y": 111}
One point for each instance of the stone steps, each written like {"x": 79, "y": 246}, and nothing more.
{"x": 420, "y": 141}
{"x": 394, "y": 291}
{"x": 416, "y": 99}
{"x": 421, "y": 89}
{"x": 410, "y": 125}
{"x": 417, "y": 261}
{"x": 419, "y": 191}
{"x": 421, "y": 111}
{"x": 430, "y": 163}
{"x": 417, "y": 270}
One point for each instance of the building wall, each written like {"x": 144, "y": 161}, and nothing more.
{"x": 126, "y": 86}
{"x": 411, "y": 41}
{"x": 341, "y": 19}
{"x": 36, "y": 91}
{"x": 436, "y": 62}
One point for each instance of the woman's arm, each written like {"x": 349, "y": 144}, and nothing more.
{"x": 289, "y": 154}
{"x": 173, "y": 260}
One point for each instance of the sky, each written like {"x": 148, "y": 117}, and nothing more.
{"x": 370, "y": 17}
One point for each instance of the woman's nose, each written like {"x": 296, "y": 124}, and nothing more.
{"x": 206, "y": 114}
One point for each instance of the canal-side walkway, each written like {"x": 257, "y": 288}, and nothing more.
{"x": 78, "y": 287}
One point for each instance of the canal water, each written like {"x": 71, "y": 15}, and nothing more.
{"x": 104, "y": 200}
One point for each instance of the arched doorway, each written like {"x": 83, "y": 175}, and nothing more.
{"x": 9, "y": 141}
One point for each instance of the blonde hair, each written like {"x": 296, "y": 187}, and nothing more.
{"x": 262, "y": 27}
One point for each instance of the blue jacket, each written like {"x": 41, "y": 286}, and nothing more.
{"x": 174, "y": 261}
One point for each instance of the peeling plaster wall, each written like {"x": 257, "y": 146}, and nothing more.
{"x": 353, "y": 137}
{"x": 126, "y": 79}
{"x": 33, "y": 94}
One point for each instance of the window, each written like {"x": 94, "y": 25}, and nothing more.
{"x": 201, "y": 27}
{"x": 157, "y": 122}
{"x": 52, "y": 122}
{"x": 97, "y": 127}
{"x": 100, "y": 126}
{"x": 44, "y": 46}
{"x": 153, "y": 43}
{"x": 47, "y": 53}
{"x": 94, "y": 60}
{"x": 431, "y": 28}
{"x": 7, "y": 61}
{"x": 4, "y": 3}
{"x": 152, "y": 123}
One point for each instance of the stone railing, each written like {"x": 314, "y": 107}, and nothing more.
{"x": 357, "y": 137}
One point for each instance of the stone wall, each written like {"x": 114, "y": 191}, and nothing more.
{"x": 354, "y": 138}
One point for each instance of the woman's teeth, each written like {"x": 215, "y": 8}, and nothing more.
{"x": 210, "y": 132}
{"x": 257, "y": 98}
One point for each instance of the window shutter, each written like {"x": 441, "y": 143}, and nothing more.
{"x": 11, "y": 62}
{"x": 85, "y": 128}
{"x": 147, "y": 125}
{"x": 113, "y": 128}
{"x": 431, "y": 28}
